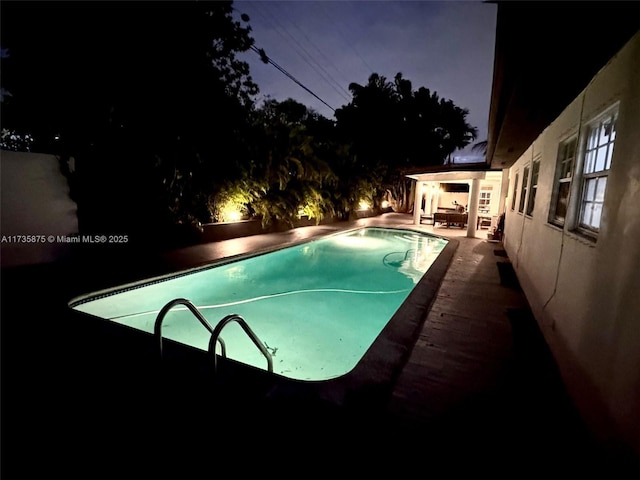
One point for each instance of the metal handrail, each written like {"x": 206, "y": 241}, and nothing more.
{"x": 241, "y": 321}
{"x": 157, "y": 329}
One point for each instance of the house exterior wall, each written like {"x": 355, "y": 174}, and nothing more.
{"x": 585, "y": 293}
{"x": 493, "y": 183}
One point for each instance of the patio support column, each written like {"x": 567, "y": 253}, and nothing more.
{"x": 417, "y": 202}
{"x": 428, "y": 207}
{"x": 473, "y": 207}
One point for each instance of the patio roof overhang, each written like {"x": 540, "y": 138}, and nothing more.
{"x": 449, "y": 172}
{"x": 448, "y": 176}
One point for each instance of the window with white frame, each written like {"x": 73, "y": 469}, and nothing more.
{"x": 601, "y": 135}
{"x": 484, "y": 203}
{"x": 535, "y": 170}
{"x": 515, "y": 192}
{"x": 523, "y": 190}
{"x": 562, "y": 185}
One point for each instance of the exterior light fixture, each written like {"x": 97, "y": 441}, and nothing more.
{"x": 235, "y": 216}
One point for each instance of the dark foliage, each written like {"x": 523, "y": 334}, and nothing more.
{"x": 152, "y": 117}
{"x": 393, "y": 128}
{"x": 147, "y": 97}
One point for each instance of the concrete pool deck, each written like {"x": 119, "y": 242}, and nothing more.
{"x": 480, "y": 392}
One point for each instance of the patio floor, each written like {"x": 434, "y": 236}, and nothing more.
{"x": 480, "y": 392}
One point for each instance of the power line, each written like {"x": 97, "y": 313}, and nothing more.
{"x": 266, "y": 59}
{"x": 330, "y": 80}
{"x": 292, "y": 42}
{"x": 347, "y": 42}
{"x": 296, "y": 46}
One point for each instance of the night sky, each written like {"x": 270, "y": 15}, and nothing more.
{"x": 62, "y": 50}
{"x": 446, "y": 46}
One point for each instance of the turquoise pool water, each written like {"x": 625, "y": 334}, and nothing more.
{"x": 317, "y": 306}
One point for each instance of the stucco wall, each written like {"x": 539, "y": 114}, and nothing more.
{"x": 584, "y": 293}
{"x": 452, "y": 199}
{"x": 35, "y": 206}
{"x": 493, "y": 183}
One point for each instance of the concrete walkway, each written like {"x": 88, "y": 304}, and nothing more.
{"x": 480, "y": 384}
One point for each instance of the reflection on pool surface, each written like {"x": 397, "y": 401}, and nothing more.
{"x": 317, "y": 306}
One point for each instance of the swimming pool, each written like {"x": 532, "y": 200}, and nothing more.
{"x": 318, "y": 312}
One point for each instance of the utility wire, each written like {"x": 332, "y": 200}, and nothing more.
{"x": 324, "y": 73}
{"x": 266, "y": 59}
{"x": 270, "y": 18}
{"x": 347, "y": 42}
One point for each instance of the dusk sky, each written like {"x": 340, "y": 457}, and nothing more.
{"x": 445, "y": 46}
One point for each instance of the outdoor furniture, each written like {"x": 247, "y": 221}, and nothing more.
{"x": 483, "y": 221}
{"x": 427, "y": 218}
{"x": 449, "y": 218}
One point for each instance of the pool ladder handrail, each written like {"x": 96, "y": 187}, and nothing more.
{"x": 215, "y": 336}
{"x": 215, "y": 332}
{"x": 157, "y": 329}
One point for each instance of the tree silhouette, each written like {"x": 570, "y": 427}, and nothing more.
{"x": 393, "y": 128}
{"x": 480, "y": 147}
{"x": 148, "y": 97}
{"x": 157, "y": 112}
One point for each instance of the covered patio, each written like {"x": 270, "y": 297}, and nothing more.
{"x": 471, "y": 199}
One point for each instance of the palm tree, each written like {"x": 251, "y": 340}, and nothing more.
{"x": 392, "y": 128}
{"x": 480, "y": 147}
{"x": 293, "y": 174}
